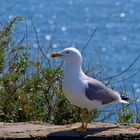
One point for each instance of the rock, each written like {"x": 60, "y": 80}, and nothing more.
{"x": 101, "y": 131}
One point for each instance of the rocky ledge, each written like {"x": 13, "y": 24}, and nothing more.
{"x": 101, "y": 131}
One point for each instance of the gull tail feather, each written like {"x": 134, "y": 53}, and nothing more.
{"x": 123, "y": 101}
{"x": 124, "y": 98}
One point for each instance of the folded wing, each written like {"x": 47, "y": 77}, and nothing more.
{"x": 96, "y": 90}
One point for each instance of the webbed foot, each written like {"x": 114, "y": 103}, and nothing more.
{"x": 81, "y": 128}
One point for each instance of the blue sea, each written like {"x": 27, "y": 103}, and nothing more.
{"x": 114, "y": 46}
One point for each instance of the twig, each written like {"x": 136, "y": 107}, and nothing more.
{"x": 98, "y": 55}
{"x": 136, "y": 105}
{"x": 127, "y": 78}
{"x": 8, "y": 9}
{"x": 23, "y": 38}
{"x": 130, "y": 66}
{"x": 114, "y": 110}
{"x": 26, "y": 32}
{"x": 51, "y": 42}
{"x": 39, "y": 43}
{"x": 91, "y": 37}
{"x": 106, "y": 117}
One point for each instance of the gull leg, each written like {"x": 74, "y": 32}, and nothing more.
{"x": 83, "y": 121}
{"x": 87, "y": 119}
{"x": 82, "y": 127}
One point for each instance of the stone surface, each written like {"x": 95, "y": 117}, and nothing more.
{"x": 102, "y": 131}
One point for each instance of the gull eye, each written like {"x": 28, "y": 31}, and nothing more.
{"x": 67, "y": 52}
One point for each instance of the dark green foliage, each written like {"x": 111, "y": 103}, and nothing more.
{"x": 22, "y": 96}
{"x": 65, "y": 112}
{"x": 6, "y": 39}
{"x": 125, "y": 116}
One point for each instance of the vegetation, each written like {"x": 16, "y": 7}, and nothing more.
{"x": 30, "y": 91}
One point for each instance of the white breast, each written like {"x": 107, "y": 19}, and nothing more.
{"x": 74, "y": 88}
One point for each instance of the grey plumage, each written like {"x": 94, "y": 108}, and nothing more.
{"x": 98, "y": 91}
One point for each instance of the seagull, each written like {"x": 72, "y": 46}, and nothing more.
{"x": 82, "y": 90}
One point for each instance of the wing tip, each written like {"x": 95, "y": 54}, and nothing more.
{"x": 123, "y": 101}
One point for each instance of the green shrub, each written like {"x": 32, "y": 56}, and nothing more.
{"x": 27, "y": 94}
{"x": 125, "y": 116}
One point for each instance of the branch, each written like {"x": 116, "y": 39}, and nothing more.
{"x": 39, "y": 43}
{"x": 91, "y": 37}
{"x": 130, "y": 66}
{"x": 8, "y": 9}
{"x": 99, "y": 57}
{"x": 51, "y": 42}
{"x": 127, "y": 78}
{"x": 106, "y": 117}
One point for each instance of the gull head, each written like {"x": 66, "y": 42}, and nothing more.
{"x": 70, "y": 55}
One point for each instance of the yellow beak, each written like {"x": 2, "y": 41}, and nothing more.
{"x": 56, "y": 54}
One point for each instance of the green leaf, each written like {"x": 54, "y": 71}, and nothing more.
{"x": 19, "y": 48}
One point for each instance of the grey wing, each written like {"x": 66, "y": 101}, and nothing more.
{"x": 98, "y": 91}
